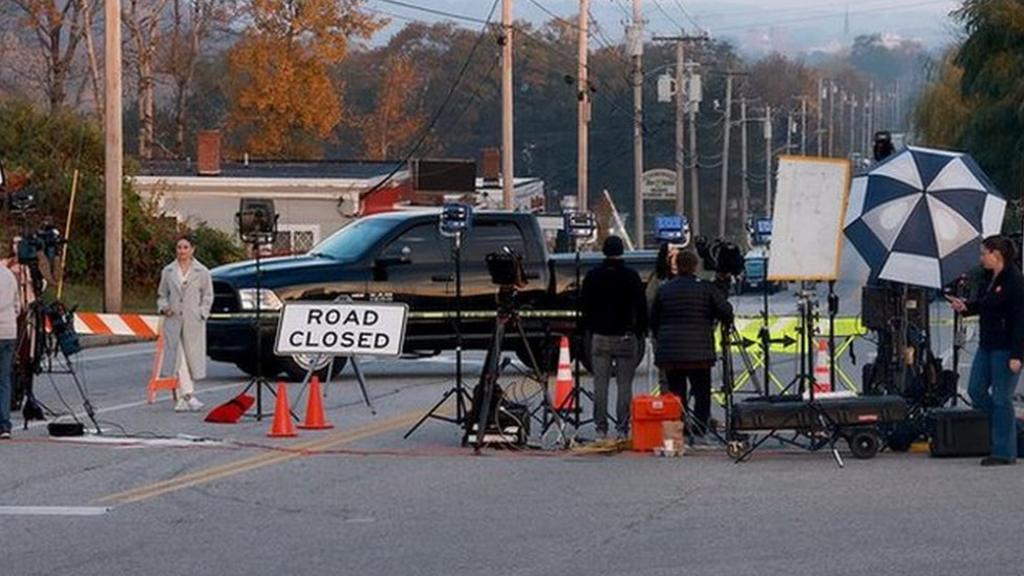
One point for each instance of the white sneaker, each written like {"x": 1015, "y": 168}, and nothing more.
{"x": 181, "y": 405}
{"x": 194, "y": 404}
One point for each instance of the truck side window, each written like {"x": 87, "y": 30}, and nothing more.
{"x": 423, "y": 242}
{"x": 486, "y": 238}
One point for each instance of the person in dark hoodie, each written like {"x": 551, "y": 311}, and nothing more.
{"x": 997, "y": 364}
{"x": 615, "y": 316}
{"x": 683, "y": 319}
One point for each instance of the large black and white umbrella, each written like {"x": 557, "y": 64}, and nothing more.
{"x": 919, "y": 217}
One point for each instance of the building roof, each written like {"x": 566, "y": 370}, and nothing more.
{"x": 323, "y": 169}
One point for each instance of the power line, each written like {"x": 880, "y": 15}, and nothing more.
{"x": 661, "y": 9}
{"x": 602, "y": 40}
{"x": 436, "y": 12}
{"x": 686, "y": 13}
{"x": 760, "y": 12}
{"x": 797, "y": 20}
{"x": 444, "y": 105}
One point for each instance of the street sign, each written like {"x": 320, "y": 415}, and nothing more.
{"x": 659, "y": 184}
{"x": 341, "y": 329}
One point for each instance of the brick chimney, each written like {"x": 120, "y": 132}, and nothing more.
{"x": 208, "y": 153}
{"x": 491, "y": 165}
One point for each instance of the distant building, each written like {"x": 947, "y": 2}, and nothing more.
{"x": 314, "y": 199}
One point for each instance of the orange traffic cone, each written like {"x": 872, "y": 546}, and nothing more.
{"x": 315, "y": 419}
{"x": 283, "y": 427}
{"x": 563, "y": 381}
{"x": 822, "y": 374}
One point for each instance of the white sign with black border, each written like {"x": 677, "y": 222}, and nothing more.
{"x": 341, "y": 329}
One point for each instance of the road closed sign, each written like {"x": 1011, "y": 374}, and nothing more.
{"x": 341, "y": 329}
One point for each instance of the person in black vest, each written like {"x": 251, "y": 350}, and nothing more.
{"x": 615, "y": 314}
{"x": 997, "y": 364}
{"x": 683, "y": 319}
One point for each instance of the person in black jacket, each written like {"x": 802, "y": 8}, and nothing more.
{"x": 615, "y": 315}
{"x": 683, "y": 320}
{"x": 997, "y": 364}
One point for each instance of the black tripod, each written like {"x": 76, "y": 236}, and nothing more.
{"x": 258, "y": 380}
{"x": 485, "y": 402}
{"x": 580, "y": 336}
{"x": 48, "y": 348}
{"x": 458, "y": 389}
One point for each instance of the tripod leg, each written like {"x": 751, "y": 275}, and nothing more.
{"x": 430, "y": 413}
{"x": 543, "y": 381}
{"x": 488, "y": 378}
{"x": 362, "y": 385}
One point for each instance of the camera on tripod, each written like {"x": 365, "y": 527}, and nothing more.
{"x": 720, "y": 256}
{"x": 506, "y": 269}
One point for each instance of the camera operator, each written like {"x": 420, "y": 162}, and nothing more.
{"x": 10, "y": 303}
{"x": 683, "y": 320}
{"x": 615, "y": 313}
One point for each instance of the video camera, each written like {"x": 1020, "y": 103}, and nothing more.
{"x": 19, "y": 202}
{"x": 506, "y": 269}
{"x": 720, "y": 256}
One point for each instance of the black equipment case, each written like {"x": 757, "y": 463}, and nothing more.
{"x": 794, "y": 413}
{"x": 959, "y": 432}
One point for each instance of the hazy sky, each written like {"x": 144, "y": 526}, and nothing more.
{"x": 758, "y": 25}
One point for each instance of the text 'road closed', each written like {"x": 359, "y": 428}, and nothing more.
{"x": 341, "y": 329}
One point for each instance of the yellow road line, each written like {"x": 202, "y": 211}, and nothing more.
{"x": 259, "y": 461}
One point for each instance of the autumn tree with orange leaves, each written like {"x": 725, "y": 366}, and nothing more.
{"x": 284, "y": 102}
{"x": 396, "y": 118}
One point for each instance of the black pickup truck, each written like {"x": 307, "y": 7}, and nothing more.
{"x": 402, "y": 257}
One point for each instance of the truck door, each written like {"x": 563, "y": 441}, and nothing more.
{"x": 413, "y": 269}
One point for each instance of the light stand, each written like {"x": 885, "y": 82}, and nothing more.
{"x": 257, "y": 225}
{"x": 455, "y": 221}
{"x": 581, "y": 227}
{"x": 760, "y": 235}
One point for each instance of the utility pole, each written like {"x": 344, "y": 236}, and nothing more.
{"x": 744, "y": 168}
{"x": 803, "y": 123}
{"x": 583, "y": 98}
{"x": 680, "y": 104}
{"x": 507, "y": 141}
{"x": 693, "y": 104}
{"x": 831, "y": 118}
{"x": 638, "y": 120}
{"x": 842, "y": 120}
{"x": 723, "y": 204}
{"x": 789, "y": 132}
{"x": 899, "y": 108}
{"x": 819, "y": 131}
{"x": 768, "y": 161}
{"x": 853, "y": 123}
{"x": 680, "y": 80}
{"x": 871, "y": 117}
{"x": 113, "y": 159}
{"x": 866, "y": 141}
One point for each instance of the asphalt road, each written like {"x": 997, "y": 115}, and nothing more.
{"x": 178, "y": 496}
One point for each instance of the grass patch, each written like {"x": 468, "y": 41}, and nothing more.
{"x": 89, "y": 298}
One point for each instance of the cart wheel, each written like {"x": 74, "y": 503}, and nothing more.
{"x": 864, "y": 444}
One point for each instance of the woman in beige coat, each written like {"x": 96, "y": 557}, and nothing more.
{"x": 184, "y": 299}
